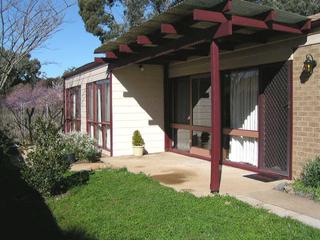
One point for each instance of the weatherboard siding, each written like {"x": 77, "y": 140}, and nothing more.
{"x": 137, "y": 101}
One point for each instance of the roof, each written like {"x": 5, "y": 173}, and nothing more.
{"x": 83, "y": 68}
{"x": 185, "y": 8}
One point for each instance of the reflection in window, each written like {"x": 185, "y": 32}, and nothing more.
{"x": 181, "y": 101}
{"x": 201, "y": 101}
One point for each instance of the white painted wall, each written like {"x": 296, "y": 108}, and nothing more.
{"x": 95, "y": 74}
{"x": 137, "y": 100}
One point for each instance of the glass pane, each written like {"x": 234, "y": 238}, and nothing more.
{"x": 181, "y": 139}
{"x": 78, "y": 102}
{"x": 244, "y": 100}
{"x": 181, "y": 101}
{"x": 107, "y": 135}
{"x": 74, "y": 106}
{"x": 99, "y": 135}
{"x": 201, "y": 140}
{"x": 91, "y": 130}
{"x": 90, "y": 107}
{"x": 99, "y": 101}
{"x": 107, "y": 106}
{"x": 201, "y": 101}
{"x": 243, "y": 150}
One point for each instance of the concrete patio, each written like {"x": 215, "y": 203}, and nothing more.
{"x": 193, "y": 175}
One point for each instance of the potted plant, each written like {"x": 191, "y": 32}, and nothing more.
{"x": 137, "y": 144}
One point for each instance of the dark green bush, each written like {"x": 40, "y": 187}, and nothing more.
{"x": 311, "y": 173}
{"x": 137, "y": 139}
{"x": 46, "y": 164}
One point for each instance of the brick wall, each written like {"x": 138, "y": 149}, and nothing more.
{"x": 306, "y": 110}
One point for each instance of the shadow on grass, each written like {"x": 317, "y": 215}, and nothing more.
{"x": 72, "y": 180}
{"x": 24, "y": 213}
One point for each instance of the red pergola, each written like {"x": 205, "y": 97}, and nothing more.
{"x": 202, "y": 28}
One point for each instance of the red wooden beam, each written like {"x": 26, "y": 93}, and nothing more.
{"x": 208, "y": 16}
{"x": 249, "y": 22}
{"x": 99, "y": 60}
{"x": 111, "y": 55}
{"x": 306, "y": 26}
{"x": 228, "y": 6}
{"x": 225, "y": 29}
{"x": 124, "y": 48}
{"x": 216, "y": 156}
{"x": 143, "y": 40}
{"x": 271, "y": 16}
{"x": 284, "y": 28}
{"x": 168, "y": 29}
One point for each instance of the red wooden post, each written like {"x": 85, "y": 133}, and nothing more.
{"x": 216, "y": 157}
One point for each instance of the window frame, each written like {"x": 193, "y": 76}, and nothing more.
{"x": 73, "y": 123}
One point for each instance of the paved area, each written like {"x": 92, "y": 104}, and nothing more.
{"x": 193, "y": 175}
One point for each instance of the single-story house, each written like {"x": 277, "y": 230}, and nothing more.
{"x": 227, "y": 81}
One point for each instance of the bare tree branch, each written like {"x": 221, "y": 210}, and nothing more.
{"x": 25, "y": 26}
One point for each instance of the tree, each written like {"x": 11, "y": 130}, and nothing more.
{"x": 25, "y": 71}
{"x": 303, "y": 7}
{"x": 99, "y": 15}
{"x": 25, "y": 102}
{"x": 25, "y": 26}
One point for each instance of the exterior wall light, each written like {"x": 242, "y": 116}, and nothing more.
{"x": 141, "y": 68}
{"x": 309, "y": 64}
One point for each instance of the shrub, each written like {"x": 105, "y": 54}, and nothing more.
{"x": 311, "y": 173}
{"x": 46, "y": 164}
{"x": 81, "y": 145}
{"x": 137, "y": 139}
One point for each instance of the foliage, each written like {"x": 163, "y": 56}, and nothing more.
{"x": 25, "y": 71}
{"x": 25, "y": 26}
{"x": 137, "y": 139}
{"x": 25, "y": 102}
{"x": 311, "y": 173}
{"x": 301, "y": 189}
{"x": 303, "y": 7}
{"x": 99, "y": 15}
{"x": 147, "y": 210}
{"x": 81, "y": 145}
{"x": 6, "y": 143}
{"x": 46, "y": 165}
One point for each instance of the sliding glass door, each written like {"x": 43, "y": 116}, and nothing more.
{"x": 191, "y": 124}
{"x": 98, "y": 112}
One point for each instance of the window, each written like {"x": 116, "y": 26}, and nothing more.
{"x": 73, "y": 109}
{"x": 241, "y": 89}
{"x": 191, "y": 124}
{"x": 98, "y": 112}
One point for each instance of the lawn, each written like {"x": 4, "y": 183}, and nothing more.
{"x": 116, "y": 204}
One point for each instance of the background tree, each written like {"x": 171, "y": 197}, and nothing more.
{"x": 25, "y": 71}
{"x": 99, "y": 15}
{"x": 25, "y": 102}
{"x": 25, "y": 26}
{"x": 303, "y": 7}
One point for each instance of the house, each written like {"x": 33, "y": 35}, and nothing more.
{"x": 231, "y": 82}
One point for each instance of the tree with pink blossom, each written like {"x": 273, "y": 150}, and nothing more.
{"x": 26, "y": 102}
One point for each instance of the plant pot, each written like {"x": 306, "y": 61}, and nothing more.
{"x": 138, "y": 150}
{"x": 71, "y": 157}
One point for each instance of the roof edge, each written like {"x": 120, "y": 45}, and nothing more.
{"x": 83, "y": 68}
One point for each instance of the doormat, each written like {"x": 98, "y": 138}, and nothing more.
{"x": 263, "y": 178}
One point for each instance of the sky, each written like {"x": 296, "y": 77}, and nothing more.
{"x": 71, "y": 46}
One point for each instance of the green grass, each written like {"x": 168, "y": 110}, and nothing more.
{"x": 300, "y": 188}
{"x": 116, "y": 204}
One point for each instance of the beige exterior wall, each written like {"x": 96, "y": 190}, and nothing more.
{"x": 306, "y": 107}
{"x": 82, "y": 79}
{"x": 137, "y": 100}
